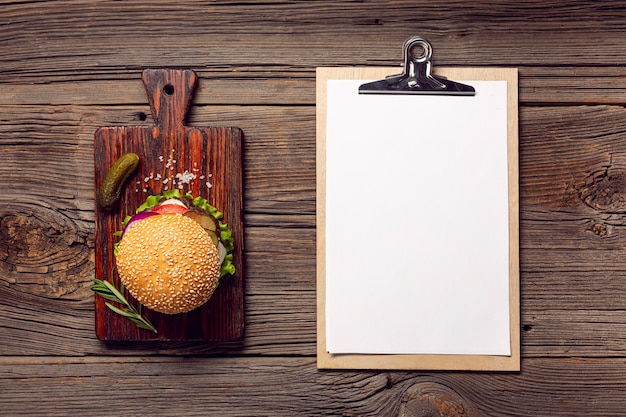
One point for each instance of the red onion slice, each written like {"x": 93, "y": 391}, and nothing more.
{"x": 137, "y": 217}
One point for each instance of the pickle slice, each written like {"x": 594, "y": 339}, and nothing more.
{"x": 213, "y": 237}
{"x": 207, "y": 221}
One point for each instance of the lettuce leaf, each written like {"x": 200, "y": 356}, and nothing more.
{"x": 228, "y": 268}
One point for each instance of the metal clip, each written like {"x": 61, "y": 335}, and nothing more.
{"x": 417, "y": 77}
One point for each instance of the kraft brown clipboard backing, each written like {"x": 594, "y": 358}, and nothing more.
{"x": 326, "y": 360}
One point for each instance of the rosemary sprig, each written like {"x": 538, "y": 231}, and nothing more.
{"x": 107, "y": 290}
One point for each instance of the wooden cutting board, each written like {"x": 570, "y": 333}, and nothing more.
{"x": 170, "y": 148}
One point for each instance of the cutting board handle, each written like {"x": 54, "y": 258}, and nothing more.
{"x": 170, "y": 92}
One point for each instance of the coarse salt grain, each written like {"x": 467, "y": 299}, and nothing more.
{"x": 185, "y": 177}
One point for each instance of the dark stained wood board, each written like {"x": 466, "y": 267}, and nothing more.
{"x": 170, "y": 147}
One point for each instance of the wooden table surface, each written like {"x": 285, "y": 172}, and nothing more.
{"x": 69, "y": 67}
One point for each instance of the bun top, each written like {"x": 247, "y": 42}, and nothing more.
{"x": 168, "y": 263}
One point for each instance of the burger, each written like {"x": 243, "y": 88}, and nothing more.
{"x": 173, "y": 252}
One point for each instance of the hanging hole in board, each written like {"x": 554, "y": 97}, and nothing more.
{"x": 168, "y": 89}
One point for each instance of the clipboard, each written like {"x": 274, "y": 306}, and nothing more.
{"x": 420, "y": 69}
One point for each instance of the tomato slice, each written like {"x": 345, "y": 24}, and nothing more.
{"x": 169, "y": 209}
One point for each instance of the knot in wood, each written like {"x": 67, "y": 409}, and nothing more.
{"x": 599, "y": 229}
{"x": 42, "y": 251}
{"x": 605, "y": 191}
{"x": 428, "y": 399}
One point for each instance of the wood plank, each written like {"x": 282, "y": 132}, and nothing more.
{"x": 296, "y": 86}
{"x": 319, "y": 46}
{"x": 502, "y": 13}
{"x": 571, "y": 85}
{"x": 292, "y": 386}
{"x": 84, "y": 38}
{"x": 252, "y": 85}
{"x": 284, "y": 13}
{"x": 283, "y": 323}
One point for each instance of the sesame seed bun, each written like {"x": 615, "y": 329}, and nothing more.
{"x": 168, "y": 263}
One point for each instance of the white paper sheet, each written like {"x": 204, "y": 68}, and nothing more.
{"x": 417, "y": 222}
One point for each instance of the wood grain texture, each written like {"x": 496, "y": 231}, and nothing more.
{"x": 535, "y": 33}
{"x": 292, "y": 386}
{"x": 295, "y": 86}
{"x": 69, "y": 67}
